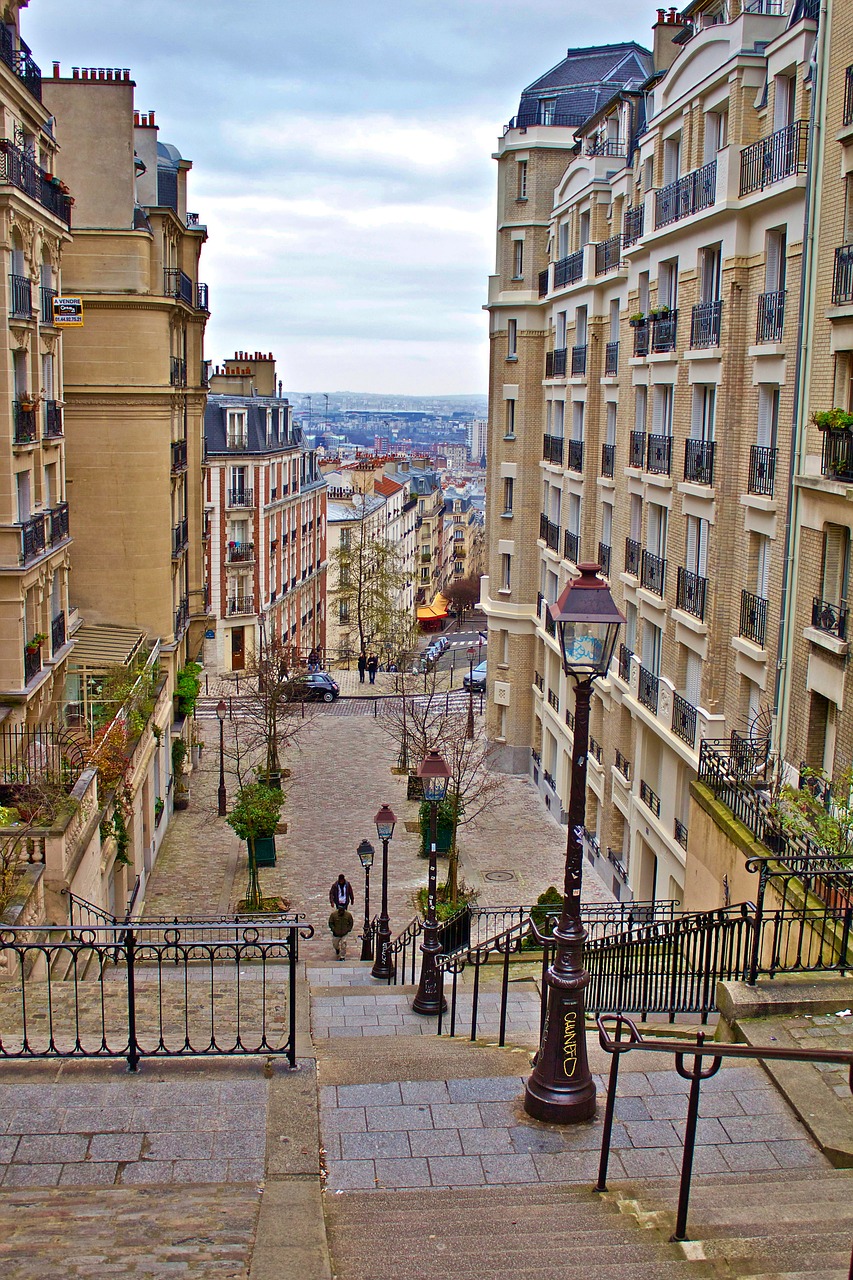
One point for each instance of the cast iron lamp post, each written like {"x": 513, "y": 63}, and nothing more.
{"x": 385, "y": 821}
{"x": 222, "y": 711}
{"x": 366, "y": 853}
{"x": 435, "y": 776}
{"x": 560, "y": 1088}
{"x": 469, "y": 729}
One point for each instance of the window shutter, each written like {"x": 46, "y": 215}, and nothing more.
{"x": 835, "y": 541}
{"x": 691, "y": 554}
{"x": 657, "y": 410}
{"x": 693, "y": 681}
{"x": 771, "y": 262}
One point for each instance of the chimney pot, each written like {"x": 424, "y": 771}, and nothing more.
{"x": 56, "y": 70}
{"x": 151, "y": 119}
{"x": 661, "y": 15}
{"x": 75, "y": 73}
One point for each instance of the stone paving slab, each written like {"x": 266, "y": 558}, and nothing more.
{"x": 462, "y": 1133}
{"x": 389, "y": 1013}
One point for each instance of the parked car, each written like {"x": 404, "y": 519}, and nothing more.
{"x": 477, "y": 679}
{"x": 315, "y": 686}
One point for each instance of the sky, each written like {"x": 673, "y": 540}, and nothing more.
{"x": 341, "y": 162}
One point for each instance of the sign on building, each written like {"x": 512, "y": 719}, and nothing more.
{"x": 67, "y": 312}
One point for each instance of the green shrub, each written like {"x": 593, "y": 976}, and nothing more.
{"x": 187, "y": 688}
{"x": 257, "y": 811}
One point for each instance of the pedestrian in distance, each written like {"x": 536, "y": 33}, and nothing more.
{"x": 372, "y": 667}
{"x": 340, "y": 924}
{"x": 362, "y": 666}
{"x": 341, "y": 894}
{"x": 313, "y": 661}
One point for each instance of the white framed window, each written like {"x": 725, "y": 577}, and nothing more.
{"x": 511, "y": 339}
{"x": 517, "y": 259}
{"x": 236, "y": 429}
{"x": 509, "y": 486}
{"x": 506, "y": 572}
{"x": 522, "y": 180}
{"x": 510, "y": 420}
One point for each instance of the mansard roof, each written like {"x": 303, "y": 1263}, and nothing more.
{"x": 583, "y": 82}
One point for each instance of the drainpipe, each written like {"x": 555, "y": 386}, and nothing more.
{"x": 811, "y": 217}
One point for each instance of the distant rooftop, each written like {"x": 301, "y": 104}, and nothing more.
{"x": 581, "y": 84}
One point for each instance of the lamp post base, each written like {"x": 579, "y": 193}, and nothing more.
{"x": 430, "y": 999}
{"x": 561, "y": 1089}
{"x": 382, "y": 963}
{"x": 222, "y": 802}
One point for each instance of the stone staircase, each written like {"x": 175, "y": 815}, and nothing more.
{"x": 433, "y": 1169}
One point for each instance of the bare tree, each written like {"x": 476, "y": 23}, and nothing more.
{"x": 369, "y": 582}
{"x": 463, "y": 594}
{"x": 271, "y": 710}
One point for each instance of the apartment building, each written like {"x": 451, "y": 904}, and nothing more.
{"x": 644, "y": 343}
{"x": 35, "y": 615}
{"x": 265, "y": 519}
{"x": 463, "y": 536}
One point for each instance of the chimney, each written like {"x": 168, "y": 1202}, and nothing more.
{"x": 56, "y": 70}
{"x": 668, "y": 26}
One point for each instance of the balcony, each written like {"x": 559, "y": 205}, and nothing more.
{"x": 608, "y": 254}
{"x": 549, "y": 533}
{"x": 625, "y": 656}
{"x": 642, "y": 338}
{"x": 633, "y": 555}
{"x": 762, "y": 470}
{"x": 842, "y": 276}
{"x": 613, "y": 147}
{"x": 648, "y": 689}
{"x": 659, "y": 455}
{"x": 595, "y": 751}
{"x": 579, "y": 360}
{"x": 543, "y": 282}
{"x": 637, "y": 449}
{"x": 680, "y": 832}
{"x": 568, "y": 270}
{"x": 650, "y": 798}
{"x": 20, "y": 61}
{"x": 664, "y": 332}
{"x": 705, "y": 324}
{"x": 59, "y": 528}
{"x": 686, "y": 196}
{"x": 604, "y": 558}
{"x": 52, "y": 420}
{"x": 575, "y": 459}
{"x": 240, "y": 498}
{"x": 632, "y": 225}
{"x": 699, "y": 461}
{"x": 555, "y": 363}
{"x": 653, "y": 573}
{"x": 26, "y": 424}
{"x": 771, "y": 159}
{"x": 57, "y": 633}
{"x": 20, "y": 298}
{"x": 202, "y": 299}
{"x": 684, "y": 720}
{"x": 204, "y": 374}
{"x": 182, "y": 617}
{"x": 47, "y": 296}
{"x": 179, "y": 456}
{"x": 829, "y": 618}
{"x": 837, "y": 455}
{"x": 690, "y": 593}
{"x": 32, "y": 662}
{"x": 623, "y": 766}
{"x": 18, "y": 169}
{"x": 177, "y": 284}
{"x": 180, "y": 538}
{"x": 753, "y": 618}
{"x": 32, "y": 538}
{"x": 240, "y": 552}
{"x": 611, "y": 359}
{"x": 553, "y": 703}
{"x": 608, "y": 460}
{"x": 847, "y": 114}
{"x": 178, "y": 372}
{"x": 770, "y": 317}
{"x": 552, "y": 450}
{"x": 571, "y": 546}
{"x": 426, "y": 557}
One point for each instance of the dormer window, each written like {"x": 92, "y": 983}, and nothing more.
{"x": 237, "y": 431}
{"x": 547, "y": 110}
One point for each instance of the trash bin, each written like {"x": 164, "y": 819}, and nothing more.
{"x": 265, "y": 851}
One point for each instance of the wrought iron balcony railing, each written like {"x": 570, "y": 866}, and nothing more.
{"x": 604, "y": 558}
{"x": 847, "y": 113}
{"x": 178, "y": 372}
{"x": 659, "y": 455}
{"x": 26, "y": 424}
{"x": 632, "y": 225}
{"x": 608, "y": 254}
{"x": 571, "y": 546}
{"x": 179, "y": 456}
{"x": 239, "y": 604}
{"x": 642, "y": 338}
{"x": 182, "y": 617}
{"x": 180, "y": 538}
{"x": 762, "y": 470}
{"x": 770, "y": 316}
{"x": 57, "y": 633}
{"x": 552, "y": 450}
{"x": 555, "y": 363}
{"x": 690, "y": 592}
{"x": 32, "y": 538}
{"x": 550, "y": 533}
{"x": 687, "y": 195}
{"x": 240, "y": 497}
{"x": 611, "y": 359}
{"x": 623, "y": 766}
{"x": 20, "y": 297}
{"x": 240, "y": 552}
{"x": 753, "y": 618}
{"x": 575, "y": 455}
{"x": 637, "y": 449}
{"x": 605, "y": 147}
{"x": 650, "y": 798}
{"x": 20, "y": 61}
{"x": 177, "y": 284}
{"x": 699, "y": 461}
{"x": 608, "y": 460}
{"x": 664, "y": 332}
{"x": 653, "y": 573}
{"x": 46, "y": 297}
{"x": 543, "y": 282}
{"x": 579, "y": 360}
{"x": 775, "y": 157}
{"x": 705, "y": 324}
{"x": 633, "y": 556}
{"x": 19, "y": 169}
{"x": 52, "y": 420}
{"x": 59, "y": 527}
{"x": 568, "y": 270}
{"x": 648, "y": 689}
{"x": 625, "y": 656}
{"x": 842, "y": 276}
{"x": 32, "y": 662}
{"x": 679, "y": 830}
{"x": 202, "y": 297}
{"x": 837, "y": 455}
{"x": 830, "y": 618}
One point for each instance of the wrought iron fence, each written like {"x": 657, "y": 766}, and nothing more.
{"x": 604, "y": 557}
{"x": 579, "y": 360}
{"x": 637, "y": 449}
{"x": 659, "y": 455}
{"x": 762, "y": 470}
{"x": 568, "y": 270}
{"x": 575, "y": 458}
{"x": 653, "y": 573}
{"x": 611, "y": 359}
{"x": 607, "y": 255}
{"x": 642, "y": 337}
{"x": 753, "y": 618}
{"x": 31, "y": 755}
{"x": 633, "y": 555}
{"x": 775, "y": 157}
{"x": 687, "y": 195}
{"x": 552, "y": 450}
{"x": 684, "y": 720}
{"x": 608, "y": 460}
{"x": 842, "y": 275}
{"x": 648, "y": 689}
{"x": 664, "y": 332}
{"x": 699, "y": 461}
{"x": 837, "y": 455}
{"x": 571, "y": 546}
{"x": 705, "y": 324}
{"x": 633, "y": 224}
{"x": 770, "y": 316}
{"x": 690, "y": 592}
{"x": 828, "y": 617}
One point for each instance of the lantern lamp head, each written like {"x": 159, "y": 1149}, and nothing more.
{"x": 366, "y": 853}
{"x": 385, "y": 821}
{"x": 588, "y": 622}
{"x": 435, "y": 775}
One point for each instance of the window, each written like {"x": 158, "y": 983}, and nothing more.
{"x": 693, "y": 678}
{"x": 561, "y": 329}
{"x": 704, "y": 412}
{"x": 512, "y": 339}
{"x": 656, "y": 530}
{"x": 343, "y": 611}
{"x": 610, "y": 437}
{"x": 671, "y": 159}
{"x": 581, "y": 326}
{"x": 696, "y": 554}
{"x": 641, "y": 404}
{"x": 668, "y": 284}
{"x": 652, "y": 647}
{"x": 578, "y": 419}
{"x": 762, "y": 565}
{"x": 768, "y": 415}
{"x": 522, "y": 180}
{"x": 775, "y": 261}
{"x": 509, "y": 485}
{"x": 547, "y": 110}
{"x": 558, "y": 414}
{"x": 784, "y": 101}
{"x": 614, "y": 320}
{"x": 716, "y": 132}
{"x": 236, "y": 429}
{"x": 834, "y": 567}
{"x": 643, "y": 287}
{"x": 269, "y": 427}
{"x": 710, "y": 262}
{"x": 583, "y": 236}
{"x": 662, "y": 410}
{"x": 506, "y": 572}
{"x": 346, "y": 539}
{"x": 510, "y": 420}
{"x": 563, "y": 240}
{"x": 517, "y": 259}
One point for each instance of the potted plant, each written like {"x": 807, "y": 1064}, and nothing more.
{"x": 833, "y": 420}
{"x": 636, "y": 319}
{"x": 159, "y": 806}
{"x": 35, "y": 642}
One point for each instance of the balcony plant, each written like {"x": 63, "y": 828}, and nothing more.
{"x": 35, "y": 642}
{"x": 637, "y": 319}
{"x": 833, "y": 420}
{"x": 659, "y": 313}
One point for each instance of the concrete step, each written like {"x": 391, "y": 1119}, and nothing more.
{"x": 375, "y": 1060}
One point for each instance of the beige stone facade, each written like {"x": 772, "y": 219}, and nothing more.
{"x": 36, "y": 621}
{"x": 644, "y": 347}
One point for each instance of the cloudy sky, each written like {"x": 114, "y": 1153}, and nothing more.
{"x": 341, "y": 161}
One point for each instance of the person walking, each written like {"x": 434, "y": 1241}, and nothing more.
{"x": 313, "y": 661}
{"x": 340, "y": 924}
{"x": 372, "y": 667}
{"x": 362, "y": 666}
{"x": 341, "y": 894}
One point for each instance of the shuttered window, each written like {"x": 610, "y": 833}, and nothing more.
{"x": 836, "y": 542}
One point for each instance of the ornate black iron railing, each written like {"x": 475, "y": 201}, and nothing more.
{"x": 32, "y": 662}
{"x": 705, "y": 324}
{"x": 177, "y": 284}
{"x": 543, "y": 282}
{"x": 52, "y": 420}
{"x": 650, "y": 798}
{"x": 604, "y": 558}
{"x": 555, "y": 363}
{"x": 687, "y": 195}
{"x": 19, "y": 169}
{"x": 571, "y": 546}
{"x": 659, "y": 455}
{"x": 240, "y": 497}
{"x": 753, "y": 617}
{"x": 32, "y": 538}
{"x": 179, "y": 456}
{"x": 837, "y": 455}
{"x": 575, "y": 456}
{"x": 20, "y": 61}
{"x": 762, "y": 470}
{"x": 684, "y": 720}
{"x": 775, "y": 157}
{"x": 46, "y": 297}
{"x": 847, "y": 114}
{"x": 608, "y": 460}
{"x": 579, "y": 360}
{"x": 637, "y": 449}
{"x": 20, "y": 297}
{"x": 611, "y": 359}
{"x": 26, "y": 427}
{"x": 828, "y": 617}
{"x": 549, "y": 533}
{"x": 653, "y": 573}
{"x": 664, "y": 332}
{"x": 552, "y": 449}
{"x": 770, "y": 316}
{"x": 648, "y": 690}
{"x": 180, "y": 537}
{"x": 632, "y": 226}
{"x": 623, "y": 765}
{"x": 842, "y": 275}
{"x": 690, "y": 592}
{"x": 608, "y": 254}
{"x": 57, "y": 633}
{"x": 568, "y": 270}
{"x": 625, "y": 656}
{"x": 642, "y": 337}
{"x": 699, "y": 461}
{"x": 59, "y": 525}
{"x": 633, "y": 556}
